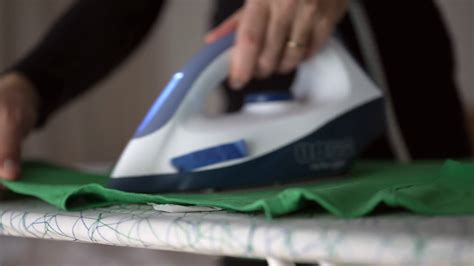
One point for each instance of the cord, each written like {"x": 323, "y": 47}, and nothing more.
{"x": 371, "y": 55}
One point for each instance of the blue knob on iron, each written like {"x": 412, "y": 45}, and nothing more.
{"x": 268, "y": 96}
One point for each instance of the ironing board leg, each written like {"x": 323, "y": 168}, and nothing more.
{"x": 278, "y": 262}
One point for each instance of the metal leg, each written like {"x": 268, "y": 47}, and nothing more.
{"x": 278, "y": 262}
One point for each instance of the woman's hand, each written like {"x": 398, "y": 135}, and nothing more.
{"x": 18, "y": 114}
{"x": 277, "y": 35}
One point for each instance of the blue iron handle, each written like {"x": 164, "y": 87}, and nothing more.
{"x": 172, "y": 96}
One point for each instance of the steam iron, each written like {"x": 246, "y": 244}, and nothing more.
{"x": 333, "y": 112}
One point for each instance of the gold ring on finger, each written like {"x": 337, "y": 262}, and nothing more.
{"x": 294, "y": 44}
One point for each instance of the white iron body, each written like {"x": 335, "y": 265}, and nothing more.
{"x": 284, "y": 141}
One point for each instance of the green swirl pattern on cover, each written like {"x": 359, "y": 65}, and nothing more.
{"x": 389, "y": 239}
{"x": 430, "y": 188}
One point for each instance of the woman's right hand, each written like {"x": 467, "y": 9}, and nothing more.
{"x": 18, "y": 115}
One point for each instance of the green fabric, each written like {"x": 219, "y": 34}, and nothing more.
{"x": 425, "y": 187}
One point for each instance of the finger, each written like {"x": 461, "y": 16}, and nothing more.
{"x": 319, "y": 37}
{"x": 10, "y": 142}
{"x": 300, "y": 35}
{"x": 226, "y": 27}
{"x": 250, "y": 34}
{"x": 339, "y": 9}
{"x": 282, "y": 14}
{"x": 329, "y": 14}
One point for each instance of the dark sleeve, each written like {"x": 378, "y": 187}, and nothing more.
{"x": 419, "y": 65}
{"x": 83, "y": 46}
{"x": 223, "y": 9}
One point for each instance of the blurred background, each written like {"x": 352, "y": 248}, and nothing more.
{"x": 96, "y": 127}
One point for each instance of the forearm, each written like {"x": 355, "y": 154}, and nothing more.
{"x": 83, "y": 46}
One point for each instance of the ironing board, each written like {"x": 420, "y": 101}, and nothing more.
{"x": 311, "y": 237}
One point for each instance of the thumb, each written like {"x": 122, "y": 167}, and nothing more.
{"x": 10, "y": 147}
{"x": 18, "y": 105}
{"x": 229, "y": 25}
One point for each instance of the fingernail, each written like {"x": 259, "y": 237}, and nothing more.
{"x": 236, "y": 84}
{"x": 263, "y": 74}
{"x": 208, "y": 39}
{"x": 10, "y": 168}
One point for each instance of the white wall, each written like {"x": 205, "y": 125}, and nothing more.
{"x": 96, "y": 127}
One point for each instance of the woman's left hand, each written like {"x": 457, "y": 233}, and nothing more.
{"x": 277, "y": 35}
